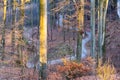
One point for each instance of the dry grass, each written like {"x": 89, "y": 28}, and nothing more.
{"x": 104, "y": 71}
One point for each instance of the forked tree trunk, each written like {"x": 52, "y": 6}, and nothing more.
{"x": 103, "y": 5}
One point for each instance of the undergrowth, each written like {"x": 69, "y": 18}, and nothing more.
{"x": 104, "y": 71}
{"x": 71, "y": 69}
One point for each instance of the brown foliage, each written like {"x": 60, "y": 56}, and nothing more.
{"x": 72, "y": 69}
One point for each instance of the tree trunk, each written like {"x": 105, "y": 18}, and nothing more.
{"x": 19, "y": 37}
{"x": 93, "y": 29}
{"x": 104, "y": 29}
{"x": 79, "y": 46}
{"x": 98, "y": 17}
{"x": 80, "y": 30}
{"x": 43, "y": 38}
{"x": 13, "y": 25}
{"x": 22, "y": 3}
{"x": 100, "y": 30}
{"x": 101, "y": 35}
{"x": 3, "y": 29}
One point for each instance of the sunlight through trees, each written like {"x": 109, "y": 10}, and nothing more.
{"x": 59, "y": 39}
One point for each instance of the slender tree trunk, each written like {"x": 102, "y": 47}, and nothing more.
{"x": 3, "y": 29}
{"x": 22, "y": 3}
{"x": 93, "y": 29}
{"x": 31, "y": 14}
{"x": 21, "y": 43}
{"x": 13, "y": 25}
{"x": 98, "y": 17}
{"x": 100, "y": 30}
{"x": 104, "y": 29}
{"x": 80, "y": 30}
{"x": 79, "y": 46}
{"x": 43, "y": 38}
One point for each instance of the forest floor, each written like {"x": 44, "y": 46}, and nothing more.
{"x": 113, "y": 43}
{"x": 112, "y": 50}
{"x": 9, "y": 72}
